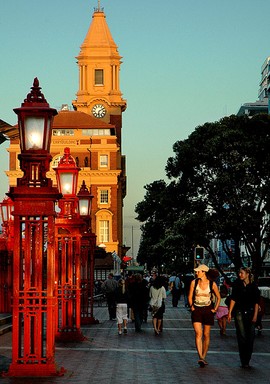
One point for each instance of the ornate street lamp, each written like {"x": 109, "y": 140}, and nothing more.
{"x": 68, "y": 250}
{"x": 7, "y": 207}
{"x": 35, "y": 121}
{"x": 35, "y": 129}
{"x": 85, "y": 201}
{"x": 7, "y": 245}
{"x": 33, "y": 331}
{"x": 67, "y": 182}
{"x": 87, "y": 257}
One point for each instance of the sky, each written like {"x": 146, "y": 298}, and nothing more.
{"x": 185, "y": 63}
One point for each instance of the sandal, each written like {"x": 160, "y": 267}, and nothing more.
{"x": 201, "y": 363}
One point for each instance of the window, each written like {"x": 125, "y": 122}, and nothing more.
{"x": 103, "y": 161}
{"x": 104, "y": 231}
{"x": 104, "y": 196}
{"x": 99, "y": 77}
{"x": 63, "y": 132}
{"x": 97, "y": 132}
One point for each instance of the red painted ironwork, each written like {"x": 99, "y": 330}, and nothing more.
{"x": 87, "y": 257}
{"x": 68, "y": 278}
{"x": 6, "y": 255}
{"x": 68, "y": 246}
{"x": 88, "y": 265}
{"x": 34, "y": 302}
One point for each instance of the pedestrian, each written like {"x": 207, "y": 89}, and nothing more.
{"x": 186, "y": 281}
{"x": 261, "y": 313}
{"x": 121, "y": 297}
{"x": 109, "y": 288}
{"x": 145, "y": 299}
{"x": 137, "y": 296}
{"x": 129, "y": 280}
{"x": 157, "y": 295}
{"x": 174, "y": 284}
{"x": 202, "y": 310}
{"x": 222, "y": 311}
{"x": 245, "y": 298}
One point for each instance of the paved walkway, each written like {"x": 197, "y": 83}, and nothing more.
{"x": 143, "y": 358}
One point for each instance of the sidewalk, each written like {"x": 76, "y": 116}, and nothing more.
{"x": 143, "y": 358}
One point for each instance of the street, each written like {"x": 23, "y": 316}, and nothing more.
{"x": 107, "y": 358}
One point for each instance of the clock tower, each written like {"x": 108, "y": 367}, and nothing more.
{"x": 92, "y": 131}
{"x": 99, "y": 82}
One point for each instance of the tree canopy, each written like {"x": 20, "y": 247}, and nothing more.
{"x": 218, "y": 188}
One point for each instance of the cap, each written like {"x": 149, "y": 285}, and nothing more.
{"x": 201, "y": 267}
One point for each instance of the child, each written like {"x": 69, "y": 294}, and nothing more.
{"x": 222, "y": 311}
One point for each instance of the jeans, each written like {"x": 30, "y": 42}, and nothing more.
{"x": 175, "y": 297}
{"x": 138, "y": 317}
{"x": 111, "y": 305}
{"x": 245, "y": 332}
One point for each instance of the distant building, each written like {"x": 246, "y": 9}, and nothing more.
{"x": 264, "y": 84}
{"x": 262, "y": 105}
{"x": 251, "y": 109}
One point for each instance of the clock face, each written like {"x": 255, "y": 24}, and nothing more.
{"x": 99, "y": 110}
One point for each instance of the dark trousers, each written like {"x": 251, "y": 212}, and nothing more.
{"x": 138, "y": 318}
{"x": 245, "y": 332}
{"x": 175, "y": 297}
{"x": 111, "y": 305}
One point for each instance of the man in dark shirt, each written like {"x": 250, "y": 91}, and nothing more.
{"x": 245, "y": 299}
{"x": 109, "y": 288}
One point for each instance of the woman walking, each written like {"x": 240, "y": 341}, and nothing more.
{"x": 202, "y": 311}
{"x": 244, "y": 302}
{"x": 121, "y": 306}
{"x": 157, "y": 295}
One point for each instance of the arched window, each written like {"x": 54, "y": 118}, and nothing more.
{"x": 104, "y": 226}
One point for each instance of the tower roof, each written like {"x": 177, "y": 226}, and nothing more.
{"x": 99, "y": 35}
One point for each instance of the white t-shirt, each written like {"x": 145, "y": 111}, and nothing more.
{"x": 156, "y": 295}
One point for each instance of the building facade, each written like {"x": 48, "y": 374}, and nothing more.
{"x": 92, "y": 131}
{"x": 262, "y": 105}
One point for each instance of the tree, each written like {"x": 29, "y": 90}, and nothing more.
{"x": 218, "y": 189}
{"x": 228, "y": 176}
{"x": 151, "y": 211}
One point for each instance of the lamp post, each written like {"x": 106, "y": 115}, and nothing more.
{"x": 87, "y": 257}
{"x": 7, "y": 208}
{"x": 34, "y": 198}
{"x": 68, "y": 249}
{"x": 7, "y": 244}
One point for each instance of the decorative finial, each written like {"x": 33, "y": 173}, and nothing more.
{"x": 67, "y": 158}
{"x": 84, "y": 190}
{"x": 35, "y": 96}
{"x": 98, "y": 9}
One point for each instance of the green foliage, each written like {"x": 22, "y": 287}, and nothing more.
{"x": 218, "y": 187}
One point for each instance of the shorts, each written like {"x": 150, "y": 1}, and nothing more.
{"x": 121, "y": 312}
{"x": 203, "y": 315}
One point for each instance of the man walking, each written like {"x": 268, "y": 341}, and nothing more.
{"x": 175, "y": 285}
{"x": 109, "y": 288}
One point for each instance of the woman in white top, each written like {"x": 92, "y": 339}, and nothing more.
{"x": 157, "y": 295}
{"x": 202, "y": 311}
